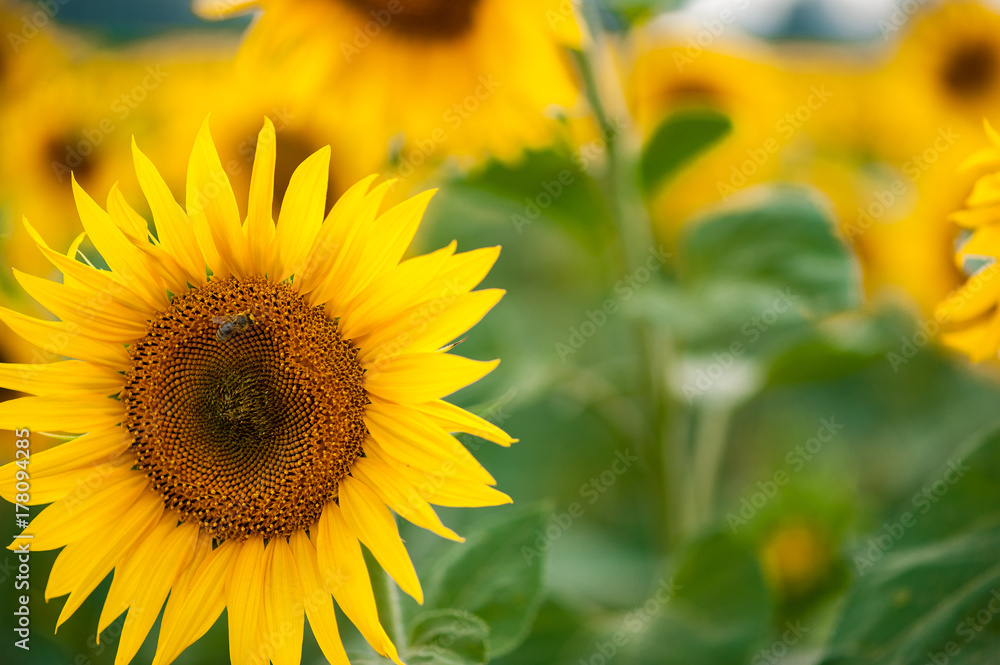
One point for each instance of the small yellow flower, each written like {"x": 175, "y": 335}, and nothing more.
{"x": 252, "y": 398}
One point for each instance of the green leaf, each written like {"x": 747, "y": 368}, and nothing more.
{"x": 491, "y": 576}
{"x": 678, "y": 140}
{"x": 755, "y": 280}
{"x": 718, "y": 614}
{"x": 928, "y": 582}
{"x": 461, "y": 634}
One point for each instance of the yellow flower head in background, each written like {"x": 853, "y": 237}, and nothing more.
{"x": 251, "y": 423}
{"x": 971, "y": 314}
{"x": 466, "y": 78}
{"x": 736, "y": 77}
{"x": 945, "y": 73}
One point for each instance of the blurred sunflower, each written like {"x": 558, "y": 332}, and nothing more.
{"x": 739, "y": 79}
{"x": 946, "y": 73}
{"x": 236, "y": 107}
{"x": 971, "y": 314}
{"x": 265, "y": 418}
{"x": 464, "y": 78}
{"x": 797, "y": 559}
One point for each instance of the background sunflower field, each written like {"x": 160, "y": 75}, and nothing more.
{"x": 748, "y": 433}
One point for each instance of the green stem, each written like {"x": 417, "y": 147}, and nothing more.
{"x": 635, "y": 232}
{"x": 711, "y": 432}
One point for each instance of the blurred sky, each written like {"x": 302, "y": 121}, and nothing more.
{"x": 819, "y": 19}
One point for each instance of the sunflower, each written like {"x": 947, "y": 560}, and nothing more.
{"x": 945, "y": 73}
{"x": 739, "y": 79}
{"x": 251, "y": 399}
{"x": 466, "y": 78}
{"x": 970, "y": 315}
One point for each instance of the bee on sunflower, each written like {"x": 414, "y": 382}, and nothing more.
{"x": 243, "y": 471}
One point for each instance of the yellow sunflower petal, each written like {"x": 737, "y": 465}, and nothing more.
{"x": 456, "y": 419}
{"x": 301, "y": 214}
{"x": 397, "y": 492}
{"x": 372, "y": 522}
{"x": 283, "y": 606}
{"x": 54, "y": 414}
{"x": 70, "y": 566}
{"x": 412, "y": 437}
{"x": 113, "y": 245}
{"x": 245, "y": 600}
{"x": 339, "y": 225}
{"x": 51, "y": 487}
{"x": 444, "y": 486}
{"x": 386, "y": 242}
{"x": 130, "y": 573}
{"x": 354, "y": 239}
{"x": 343, "y": 570}
{"x": 108, "y": 551}
{"x": 176, "y": 551}
{"x": 126, "y": 218}
{"x": 422, "y": 377}
{"x": 98, "y": 281}
{"x": 392, "y": 293}
{"x": 81, "y": 513}
{"x": 57, "y": 338}
{"x": 83, "y": 452}
{"x": 103, "y": 317}
{"x": 974, "y": 298}
{"x": 420, "y": 329}
{"x": 211, "y": 202}
{"x": 191, "y": 613}
{"x": 317, "y": 601}
{"x": 173, "y": 228}
{"x": 260, "y": 222}
{"x": 66, "y": 377}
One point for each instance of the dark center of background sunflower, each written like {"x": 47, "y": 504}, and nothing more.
{"x": 433, "y": 19}
{"x": 971, "y": 70}
{"x": 71, "y": 152}
{"x": 248, "y": 431}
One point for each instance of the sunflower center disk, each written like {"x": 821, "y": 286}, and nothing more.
{"x": 971, "y": 70}
{"x": 434, "y": 19}
{"x": 246, "y": 408}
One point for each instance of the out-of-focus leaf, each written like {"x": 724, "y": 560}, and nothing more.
{"x": 555, "y": 627}
{"x": 491, "y": 576}
{"x": 755, "y": 279}
{"x": 462, "y": 634}
{"x": 678, "y": 140}
{"x": 928, "y": 582}
{"x": 719, "y": 612}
